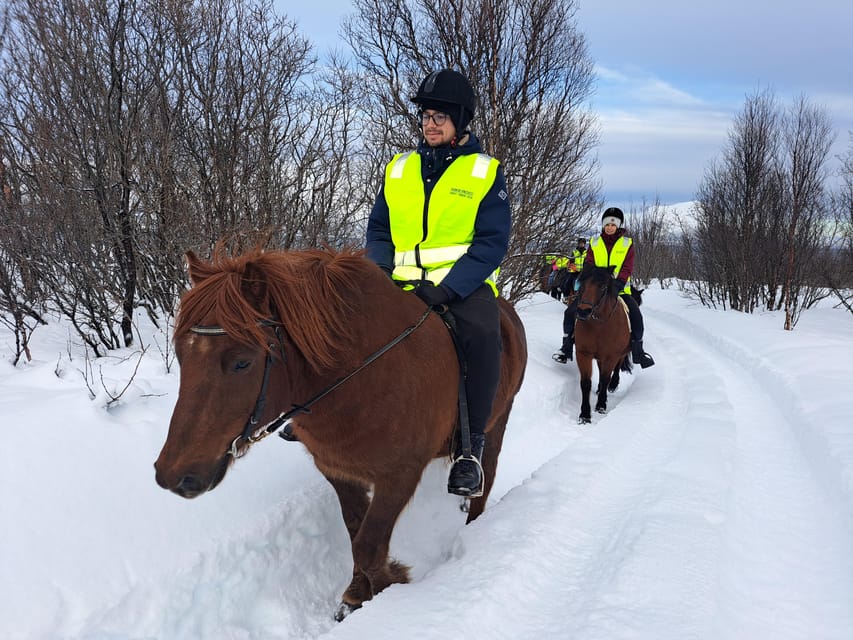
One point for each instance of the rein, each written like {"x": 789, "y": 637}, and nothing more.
{"x": 251, "y": 433}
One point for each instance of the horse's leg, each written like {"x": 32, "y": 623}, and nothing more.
{"x": 373, "y": 569}
{"x": 354, "y": 504}
{"x": 614, "y": 378}
{"x": 604, "y": 372}
{"x": 585, "y": 370}
{"x": 494, "y": 442}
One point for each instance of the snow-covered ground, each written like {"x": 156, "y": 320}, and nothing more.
{"x": 714, "y": 500}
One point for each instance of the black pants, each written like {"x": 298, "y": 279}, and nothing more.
{"x": 570, "y": 283}
{"x": 634, "y": 314}
{"x": 478, "y": 331}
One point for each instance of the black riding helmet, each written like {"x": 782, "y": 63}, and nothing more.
{"x": 448, "y": 91}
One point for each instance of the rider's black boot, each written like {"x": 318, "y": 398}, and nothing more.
{"x": 466, "y": 474}
{"x": 639, "y": 356}
{"x": 564, "y": 353}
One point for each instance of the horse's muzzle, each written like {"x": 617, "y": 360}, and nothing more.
{"x": 192, "y": 485}
{"x": 583, "y": 314}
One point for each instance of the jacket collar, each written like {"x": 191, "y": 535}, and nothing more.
{"x": 436, "y": 159}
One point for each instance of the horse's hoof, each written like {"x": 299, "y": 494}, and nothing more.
{"x": 584, "y": 420}
{"x": 344, "y": 610}
{"x": 465, "y": 505}
{"x": 601, "y": 410}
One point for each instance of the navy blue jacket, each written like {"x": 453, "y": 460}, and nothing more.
{"x": 491, "y": 227}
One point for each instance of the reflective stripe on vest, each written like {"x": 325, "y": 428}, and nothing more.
{"x": 429, "y": 243}
{"x": 615, "y": 258}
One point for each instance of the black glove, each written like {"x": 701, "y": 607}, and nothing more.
{"x": 620, "y": 284}
{"x": 432, "y": 295}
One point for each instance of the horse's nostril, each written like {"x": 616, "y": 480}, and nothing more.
{"x": 189, "y": 486}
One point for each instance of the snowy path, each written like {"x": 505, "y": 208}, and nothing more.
{"x": 681, "y": 523}
{"x": 713, "y": 501}
{"x": 772, "y": 516}
{"x": 779, "y": 519}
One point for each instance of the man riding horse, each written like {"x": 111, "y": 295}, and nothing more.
{"x": 442, "y": 222}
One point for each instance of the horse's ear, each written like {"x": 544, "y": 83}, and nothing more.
{"x": 198, "y": 271}
{"x": 254, "y": 285}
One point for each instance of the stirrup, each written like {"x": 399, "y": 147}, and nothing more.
{"x": 462, "y": 491}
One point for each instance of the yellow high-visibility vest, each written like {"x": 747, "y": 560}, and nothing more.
{"x": 615, "y": 258}
{"x": 428, "y": 244}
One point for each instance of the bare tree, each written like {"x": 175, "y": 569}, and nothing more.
{"x": 21, "y": 299}
{"x": 840, "y": 271}
{"x": 761, "y": 223}
{"x": 807, "y": 140}
{"x": 532, "y": 74}
{"x": 739, "y": 205}
{"x": 141, "y": 128}
{"x": 651, "y": 228}
{"x": 76, "y": 88}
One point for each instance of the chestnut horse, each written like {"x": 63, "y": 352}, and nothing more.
{"x": 602, "y": 332}
{"x": 370, "y": 373}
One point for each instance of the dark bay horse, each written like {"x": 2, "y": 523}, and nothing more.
{"x": 602, "y": 333}
{"x": 260, "y": 334}
{"x": 554, "y": 282}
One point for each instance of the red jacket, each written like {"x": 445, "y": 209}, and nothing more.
{"x": 627, "y": 266}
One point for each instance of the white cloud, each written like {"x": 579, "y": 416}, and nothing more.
{"x": 703, "y": 126}
{"x": 637, "y": 86}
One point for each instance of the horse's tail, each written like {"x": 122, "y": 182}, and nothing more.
{"x": 626, "y": 365}
{"x": 637, "y": 294}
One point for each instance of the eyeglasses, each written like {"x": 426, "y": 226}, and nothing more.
{"x": 438, "y": 118}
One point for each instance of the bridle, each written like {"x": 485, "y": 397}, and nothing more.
{"x": 251, "y": 432}
{"x": 593, "y": 315}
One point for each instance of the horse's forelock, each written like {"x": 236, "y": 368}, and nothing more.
{"x": 218, "y": 301}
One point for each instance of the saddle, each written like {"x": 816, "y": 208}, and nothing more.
{"x": 446, "y": 316}
{"x": 625, "y": 309}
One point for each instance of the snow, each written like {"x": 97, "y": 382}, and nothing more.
{"x": 714, "y": 500}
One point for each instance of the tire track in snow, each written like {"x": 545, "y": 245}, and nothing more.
{"x": 670, "y": 519}
{"x": 771, "y": 477}
{"x": 645, "y": 533}
{"x": 587, "y": 579}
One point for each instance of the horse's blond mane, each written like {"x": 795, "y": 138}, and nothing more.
{"x": 304, "y": 290}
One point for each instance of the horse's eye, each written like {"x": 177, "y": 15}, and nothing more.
{"x": 242, "y": 364}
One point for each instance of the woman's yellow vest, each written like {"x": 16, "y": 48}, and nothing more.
{"x": 428, "y": 243}
{"x": 615, "y": 258}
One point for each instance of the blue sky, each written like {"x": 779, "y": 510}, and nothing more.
{"x": 672, "y": 75}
